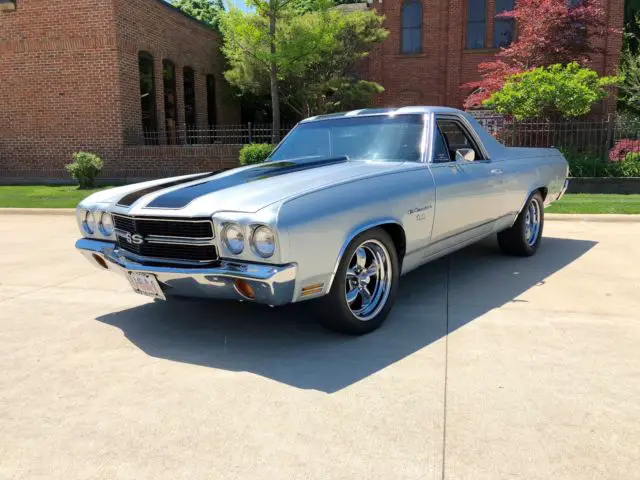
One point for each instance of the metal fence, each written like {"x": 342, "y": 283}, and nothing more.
{"x": 592, "y": 147}
{"x": 214, "y": 134}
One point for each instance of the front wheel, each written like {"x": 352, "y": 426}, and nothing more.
{"x": 523, "y": 238}
{"x": 365, "y": 285}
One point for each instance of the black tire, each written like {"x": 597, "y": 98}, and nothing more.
{"x": 514, "y": 240}
{"x": 336, "y": 313}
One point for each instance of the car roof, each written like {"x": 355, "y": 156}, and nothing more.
{"x": 384, "y": 111}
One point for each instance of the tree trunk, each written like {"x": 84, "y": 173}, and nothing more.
{"x": 273, "y": 77}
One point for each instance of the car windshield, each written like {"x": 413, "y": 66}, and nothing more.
{"x": 383, "y": 138}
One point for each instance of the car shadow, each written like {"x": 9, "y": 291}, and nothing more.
{"x": 287, "y": 345}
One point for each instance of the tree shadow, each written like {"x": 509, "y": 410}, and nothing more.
{"x": 286, "y": 344}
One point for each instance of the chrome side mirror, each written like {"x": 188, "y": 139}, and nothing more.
{"x": 465, "y": 155}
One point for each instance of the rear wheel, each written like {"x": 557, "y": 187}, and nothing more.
{"x": 365, "y": 286}
{"x": 524, "y": 237}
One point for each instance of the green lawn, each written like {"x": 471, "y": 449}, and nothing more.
{"x": 69, "y": 197}
{"x": 590, "y": 203}
{"x": 30, "y": 196}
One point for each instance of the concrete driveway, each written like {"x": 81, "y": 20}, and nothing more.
{"x": 490, "y": 367}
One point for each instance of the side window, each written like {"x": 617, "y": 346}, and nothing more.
{"x": 440, "y": 151}
{"x": 456, "y": 137}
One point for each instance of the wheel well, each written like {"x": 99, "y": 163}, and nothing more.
{"x": 396, "y": 232}
{"x": 543, "y": 191}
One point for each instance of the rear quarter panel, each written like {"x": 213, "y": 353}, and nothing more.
{"x": 529, "y": 169}
{"x": 320, "y": 224}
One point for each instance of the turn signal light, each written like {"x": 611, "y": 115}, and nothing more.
{"x": 244, "y": 289}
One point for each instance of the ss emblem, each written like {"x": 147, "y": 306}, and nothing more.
{"x": 135, "y": 239}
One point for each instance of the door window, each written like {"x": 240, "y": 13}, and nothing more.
{"x": 457, "y": 137}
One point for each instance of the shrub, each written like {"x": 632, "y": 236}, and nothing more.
{"x": 545, "y": 92}
{"x": 622, "y": 148}
{"x": 585, "y": 164}
{"x": 630, "y": 166}
{"x": 255, "y": 153}
{"x": 85, "y": 168}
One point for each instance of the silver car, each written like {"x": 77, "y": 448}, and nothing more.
{"x": 345, "y": 205}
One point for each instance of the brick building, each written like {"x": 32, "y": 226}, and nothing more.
{"x": 132, "y": 79}
{"x": 120, "y": 78}
{"x": 435, "y": 46}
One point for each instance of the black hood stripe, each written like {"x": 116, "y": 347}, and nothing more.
{"x": 132, "y": 197}
{"x": 181, "y": 197}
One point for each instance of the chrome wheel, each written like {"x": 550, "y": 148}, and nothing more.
{"x": 369, "y": 278}
{"x": 532, "y": 223}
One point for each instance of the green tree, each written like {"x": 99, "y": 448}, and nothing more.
{"x": 305, "y": 61}
{"x": 207, "y": 11}
{"x": 546, "y": 92}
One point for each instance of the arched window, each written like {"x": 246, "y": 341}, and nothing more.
{"x": 476, "y": 23}
{"x": 503, "y": 29}
{"x": 189, "y": 79}
{"x": 147, "y": 97}
{"x": 211, "y": 100}
{"x": 411, "y": 23}
{"x": 170, "y": 101}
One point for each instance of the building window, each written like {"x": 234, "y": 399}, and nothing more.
{"x": 476, "y": 23}
{"x": 170, "y": 113}
{"x": 211, "y": 100}
{"x": 189, "y": 79}
{"x": 411, "y": 27}
{"x": 148, "y": 97}
{"x": 503, "y": 30}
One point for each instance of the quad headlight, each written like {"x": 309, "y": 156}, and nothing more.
{"x": 263, "y": 241}
{"x": 233, "y": 238}
{"x": 89, "y": 222}
{"x": 106, "y": 224}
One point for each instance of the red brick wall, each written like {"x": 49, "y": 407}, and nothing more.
{"x": 435, "y": 76}
{"x": 58, "y": 82}
{"x": 69, "y": 81}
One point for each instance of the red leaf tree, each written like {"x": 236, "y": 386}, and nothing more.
{"x": 549, "y": 32}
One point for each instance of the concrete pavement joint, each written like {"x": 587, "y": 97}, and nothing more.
{"x": 446, "y": 372}
{"x": 44, "y": 287}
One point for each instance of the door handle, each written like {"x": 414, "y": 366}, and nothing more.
{"x": 497, "y": 171}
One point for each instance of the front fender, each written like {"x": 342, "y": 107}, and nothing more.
{"x": 321, "y": 224}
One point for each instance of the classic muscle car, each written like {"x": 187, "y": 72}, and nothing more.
{"x": 344, "y": 206}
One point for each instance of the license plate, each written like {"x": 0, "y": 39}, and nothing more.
{"x": 145, "y": 284}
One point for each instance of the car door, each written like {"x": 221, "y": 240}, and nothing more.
{"x": 466, "y": 203}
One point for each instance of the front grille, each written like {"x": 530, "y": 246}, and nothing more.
{"x": 196, "y": 228}
{"x": 167, "y": 239}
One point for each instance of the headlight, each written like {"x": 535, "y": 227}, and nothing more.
{"x": 233, "y": 237}
{"x": 263, "y": 241}
{"x": 106, "y": 224}
{"x": 89, "y": 222}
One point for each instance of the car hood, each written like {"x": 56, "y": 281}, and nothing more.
{"x": 245, "y": 189}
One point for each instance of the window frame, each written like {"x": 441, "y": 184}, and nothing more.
{"x": 148, "y": 134}
{"x": 404, "y": 4}
{"x": 496, "y": 21}
{"x": 468, "y": 22}
{"x": 467, "y": 130}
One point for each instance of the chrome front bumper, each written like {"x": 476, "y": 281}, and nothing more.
{"x": 272, "y": 284}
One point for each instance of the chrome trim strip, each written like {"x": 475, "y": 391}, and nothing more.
{"x": 168, "y": 240}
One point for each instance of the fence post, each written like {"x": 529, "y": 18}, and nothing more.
{"x": 250, "y": 134}
{"x": 609, "y": 143}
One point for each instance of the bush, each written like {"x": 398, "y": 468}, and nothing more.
{"x": 630, "y": 166}
{"x": 590, "y": 164}
{"x": 546, "y": 92}
{"x": 85, "y": 168}
{"x": 255, "y": 153}
{"x": 622, "y": 148}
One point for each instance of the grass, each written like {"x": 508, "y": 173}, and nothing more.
{"x": 39, "y": 196}
{"x": 596, "y": 203}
